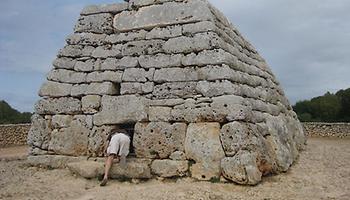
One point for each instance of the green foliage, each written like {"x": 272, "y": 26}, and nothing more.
{"x": 326, "y": 108}
{"x": 9, "y": 115}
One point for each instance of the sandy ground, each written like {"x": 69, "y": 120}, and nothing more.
{"x": 322, "y": 172}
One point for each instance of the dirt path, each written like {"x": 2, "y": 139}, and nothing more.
{"x": 322, "y": 172}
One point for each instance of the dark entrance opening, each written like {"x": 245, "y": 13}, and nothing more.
{"x": 130, "y": 127}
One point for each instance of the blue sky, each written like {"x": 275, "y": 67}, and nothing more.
{"x": 306, "y": 43}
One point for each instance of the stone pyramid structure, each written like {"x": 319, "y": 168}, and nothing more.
{"x": 198, "y": 98}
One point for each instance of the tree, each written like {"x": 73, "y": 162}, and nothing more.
{"x": 8, "y": 115}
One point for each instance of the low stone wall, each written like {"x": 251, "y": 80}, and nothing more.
{"x": 13, "y": 134}
{"x": 321, "y": 129}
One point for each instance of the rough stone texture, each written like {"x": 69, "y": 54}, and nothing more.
{"x": 13, "y": 134}
{"x": 157, "y": 66}
{"x": 168, "y": 14}
{"x": 169, "y": 168}
{"x": 158, "y": 139}
{"x": 135, "y": 168}
{"x": 241, "y": 168}
{"x": 203, "y": 145}
{"x": 86, "y": 169}
{"x": 130, "y": 109}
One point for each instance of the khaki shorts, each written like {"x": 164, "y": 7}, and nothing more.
{"x": 119, "y": 145}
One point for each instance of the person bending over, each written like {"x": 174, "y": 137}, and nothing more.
{"x": 118, "y": 148}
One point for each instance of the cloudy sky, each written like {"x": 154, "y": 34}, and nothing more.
{"x": 305, "y": 42}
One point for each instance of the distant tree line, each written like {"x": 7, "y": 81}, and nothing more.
{"x": 8, "y": 115}
{"x": 326, "y": 108}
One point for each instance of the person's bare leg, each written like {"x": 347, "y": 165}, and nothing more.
{"x": 108, "y": 165}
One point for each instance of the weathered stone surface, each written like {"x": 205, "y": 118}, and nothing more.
{"x": 61, "y": 121}
{"x": 98, "y": 23}
{"x": 158, "y": 139}
{"x": 199, "y": 42}
{"x": 126, "y": 37}
{"x": 86, "y": 169}
{"x": 84, "y": 66}
{"x": 90, "y": 39}
{"x": 135, "y": 168}
{"x": 55, "y": 89}
{"x": 178, "y": 155}
{"x": 242, "y": 168}
{"x": 108, "y": 51}
{"x": 164, "y": 33}
{"x": 66, "y": 76}
{"x": 119, "y": 64}
{"x": 236, "y": 136}
{"x": 160, "y": 60}
{"x": 169, "y": 168}
{"x": 175, "y": 90}
{"x": 138, "y": 74}
{"x": 175, "y": 74}
{"x": 104, "y": 8}
{"x": 209, "y": 57}
{"x": 91, "y": 103}
{"x": 105, "y": 88}
{"x": 204, "y": 26}
{"x": 97, "y": 140}
{"x": 159, "y": 113}
{"x": 121, "y": 109}
{"x": 75, "y": 51}
{"x": 203, "y": 145}
{"x": 112, "y": 76}
{"x": 166, "y": 102}
{"x": 39, "y": 132}
{"x": 168, "y": 14}
{"x": 64, "y": 63}
{"x": 64, "y": 105}
{"x": 136, "y": 88}
{"x": 137, "y": 48}
{"x": 72, "y": 140}
{"x": 217, "y": 88}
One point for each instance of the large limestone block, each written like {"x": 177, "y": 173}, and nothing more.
{"x": 135, "y": 168}
{"x": 169, "y": 168}
{"x": 76, "y": 51}
{"x": 85, "y": 65}
{"x": 104, "y": 8}
{"x": 98, "y": 23}
{"x": 160, "y": 60}
{"x": 98, "y": 140}
{"x": 167, "y": 14}
{"x": 138, "y": 74}
{"x": 136, "y": 88}
{"x": 64, "y": 105}
{"x": 61, "y": 121}
{"x": 107, "y": 51}
{"x": 39, "y": 132}
{"x": 242, "y": 168}
{"x": 66, "y": 76}
{"x": 210, "y": 57}
{"x": 119, "y": 64}
{"x": 159, "y": 113}
{"x": 55, "y": 89}
{"x": 175, "y": 74}
{"x": 111, "y": 76}
{"x": 164, "y": 33}
{"x": 199, "y": 42}
{"x": 121, "y": 109}
{"x": 91, "y": 103}
{"x": 64, "y": 63}
{"x": 74, "y": 139}
{"x": 217, "y": 88}
{"x": 199, "y": 27}
{"x": 105, "y": 88}
{"x": 141, "y": 47}
{"x": 203, "y": 145}
{"x": 126, "y": 37}
{"x": 236, "y": 136}
{"x": 175, "y": 90}
{"x": 158, "y": 139}
{"x": 90, "y": 39}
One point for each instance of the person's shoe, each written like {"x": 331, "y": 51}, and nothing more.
{"x": 100, "y": 177}
{"x": 104, "y": 182}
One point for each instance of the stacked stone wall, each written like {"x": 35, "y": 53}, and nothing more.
{"x": 183, "y": 76}
{"x": 13, "y": 134}
{"x": 321, "y": 129}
